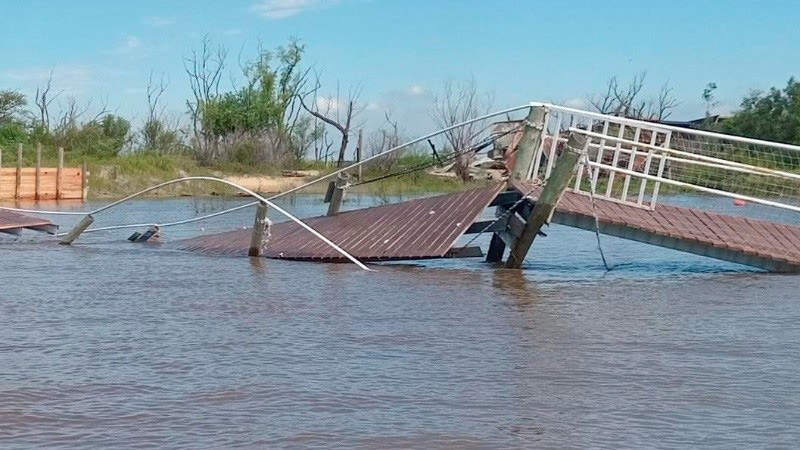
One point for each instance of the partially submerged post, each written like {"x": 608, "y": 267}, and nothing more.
{"x": 337, "y": 196}
{"x": 526, "y": 150}
{"x": 559, "y": 179}
{"x": 259, "y": 231}
{"x": 73, "y": 234}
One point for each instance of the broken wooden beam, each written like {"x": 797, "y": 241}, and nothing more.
{"x": 559, "y": 179}
{"x": 337, "y": 195}
{"x": 259, "y": 231}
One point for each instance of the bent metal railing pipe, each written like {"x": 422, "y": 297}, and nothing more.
{"x": 72, "y": 235}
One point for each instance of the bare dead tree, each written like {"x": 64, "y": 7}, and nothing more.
{"x": 43, "y": 99}
{"x": 386, "y": 137}
{"x": 459, "y": 102}
{"x": 664, "y": 103}
{"x": 71, "y": 113}
{"x": 628, "y": 101}
{"x": 102, "y": 111}
{"x": 156, "y": 134}
{"x": 341, "y": 119}
{"x": 205, "y": 68}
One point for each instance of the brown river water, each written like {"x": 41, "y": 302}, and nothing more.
{"x": 118, "y": 345}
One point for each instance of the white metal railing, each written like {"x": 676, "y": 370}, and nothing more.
{"x": 630, "y": 159}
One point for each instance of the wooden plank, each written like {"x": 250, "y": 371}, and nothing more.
{"x": 562, "y": 172}
{"x": 766, "y": 245}
{"x": 529, "y": 143}
{"x": 14, "y": 222}
{"x": 416, "y": 229}
{"x": 20, "y": 183}
{"x": 19, "y": 171}
{"x": 59, "y": 173}
{"x": 38, "y": 179}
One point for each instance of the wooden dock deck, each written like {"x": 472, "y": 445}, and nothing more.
{"x": 766, "y": 245}
{"x": 429, "y": 228}
{"x": 417, "y": 229}
{"x": 13, "y": 223}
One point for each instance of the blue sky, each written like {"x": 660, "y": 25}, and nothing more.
{"x": 402, "y": 51}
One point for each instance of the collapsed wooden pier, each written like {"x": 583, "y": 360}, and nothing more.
{"x": 13, "y": 223}
{"x": 417, "y": 229}
{"x": 429, "y": 228}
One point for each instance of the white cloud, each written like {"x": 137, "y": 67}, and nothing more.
{"x": 281, "y": 9}
{"x": 577, "y": 103}
{"x": 131, "y": 44}
{"x": 67, "y": 79}
{"x": 416, "y": 90}
{"x": 327, "y": 104}
{"x": 157, "y": 21}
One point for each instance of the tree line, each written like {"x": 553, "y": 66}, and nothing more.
{"x": 273, "y": 113}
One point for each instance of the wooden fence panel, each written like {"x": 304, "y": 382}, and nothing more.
{"x": 71, "y": 183}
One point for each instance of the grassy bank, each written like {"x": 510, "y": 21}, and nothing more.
{"x": 121, "y": 175}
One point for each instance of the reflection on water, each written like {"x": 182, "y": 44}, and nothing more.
{"x": 114, "y": 344}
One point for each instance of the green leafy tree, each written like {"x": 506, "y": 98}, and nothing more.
{"x": 12, "y": 105}
{"x": 772, "y": 115}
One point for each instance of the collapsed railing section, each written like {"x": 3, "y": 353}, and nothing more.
{"x": 630, "y": 160}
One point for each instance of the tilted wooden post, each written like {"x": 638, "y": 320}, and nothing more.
{"x": 19, "y": 172}
{"x": 59, "y": 172}
{"x": 526, "y": 150}
{"x": 259, "y": 228}
{"x": 529, "y": 143}
{"x": 337, "y": 197}
{"x": 38, "y": 180}
{"x": 73, "y": 234}
{"x": 563, "y": 170}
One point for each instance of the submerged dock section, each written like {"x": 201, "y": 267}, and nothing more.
{"x": 13, "y": 223}
{"x": 417, "y": 229}
{"x": 611, "y": 175}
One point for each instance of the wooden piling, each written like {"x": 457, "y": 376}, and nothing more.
{"x": 358, "y": 152}
{"x": 527, "y": 148}
{"x": 84, "y": 181}
{"x": 529, "y": 143}
{"x": 337, "y": 196}
{"x": 19, "y": 172}
{"x": 259, "y": 227}
{"x": 38, "y": 180}
{"x": 563, "y": 170}
{"x": 59, "y": 172}
{"x": 74, "y": 233}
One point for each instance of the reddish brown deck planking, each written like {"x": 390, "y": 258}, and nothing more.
{"x": 416, "y": 229}
{"x": 741, "y": 238}
{"x": 13, "y": 222}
